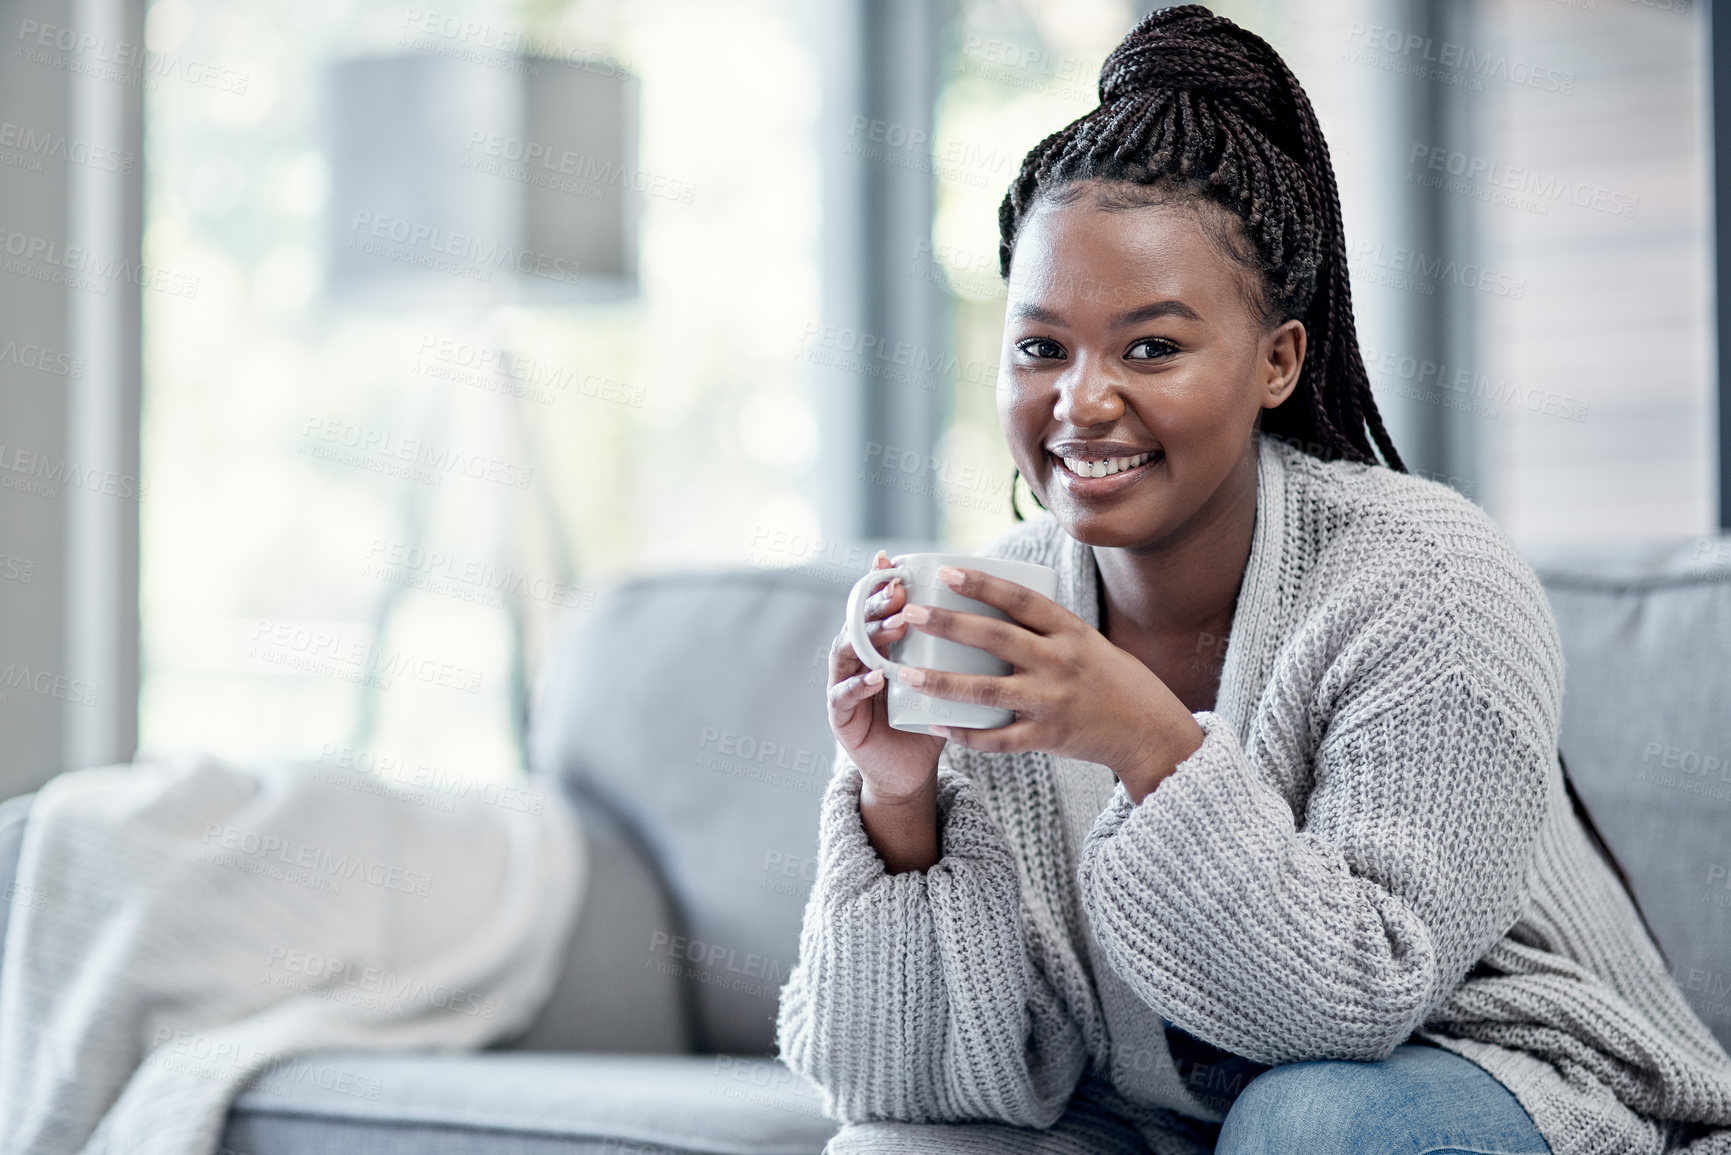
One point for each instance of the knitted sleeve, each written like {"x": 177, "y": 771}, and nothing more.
{"x": 1329, "y": 934}
{"x": 915, "y": 996}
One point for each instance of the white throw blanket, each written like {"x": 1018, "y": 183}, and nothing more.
{"x": 193, "y": 923}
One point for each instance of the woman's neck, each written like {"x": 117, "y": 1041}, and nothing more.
{"x": 1171, "y": 597}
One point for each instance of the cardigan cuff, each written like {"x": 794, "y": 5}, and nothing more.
{"x": 849, "y": 864}
{"x": 1218, "y": 756}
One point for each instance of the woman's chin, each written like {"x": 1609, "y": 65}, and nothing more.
{"x": 1107, "y": 529}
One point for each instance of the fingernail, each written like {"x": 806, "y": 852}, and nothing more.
{"x": 950, "y": 575}
{"x": 874, "y": 677}
{"x": 919, "y": 615}
{"x": 894, "y": 621}
{"x": 912, "y": 676}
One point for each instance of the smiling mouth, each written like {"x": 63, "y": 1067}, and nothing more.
{"x": 1110, "y": 466}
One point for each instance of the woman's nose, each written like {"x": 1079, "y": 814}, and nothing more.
{"x": 1088, "y": 397}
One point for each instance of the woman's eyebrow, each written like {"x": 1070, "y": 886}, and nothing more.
{"x": 1155, "y": 310}
{"x": 1149, "y": 312}
{"x": 1028, "y": 312}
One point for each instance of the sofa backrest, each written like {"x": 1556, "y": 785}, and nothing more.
{"x": 1647, "y": 739}
{"x": 691, "y": 709}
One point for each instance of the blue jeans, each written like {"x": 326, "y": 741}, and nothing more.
{"x": 1421, "y": 1100}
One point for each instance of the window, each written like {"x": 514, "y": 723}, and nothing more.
{"x": 366, "y": 509}
{"x": 1525, "y": 190}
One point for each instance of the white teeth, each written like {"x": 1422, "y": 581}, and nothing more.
{"x": 1104, "y": 468}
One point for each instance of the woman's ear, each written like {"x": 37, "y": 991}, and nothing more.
{"x": 1283, "y": 357}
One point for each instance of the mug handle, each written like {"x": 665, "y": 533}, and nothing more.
{"x": 856, "y": 625}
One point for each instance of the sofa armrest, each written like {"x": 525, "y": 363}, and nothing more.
{"x": 611, "y": 996}
{"x": 606, "y": 999}
{"x": 13, "y": 813}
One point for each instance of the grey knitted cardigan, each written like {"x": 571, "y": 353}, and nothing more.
{"x": 1372, "y": 842}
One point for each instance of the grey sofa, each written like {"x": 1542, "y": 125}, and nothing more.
{"x": 685, "y": 715}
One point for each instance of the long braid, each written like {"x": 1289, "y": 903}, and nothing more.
{"x": 1191, "y": 100}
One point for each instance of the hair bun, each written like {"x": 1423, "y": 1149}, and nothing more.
{"x": 1189, "y": 48}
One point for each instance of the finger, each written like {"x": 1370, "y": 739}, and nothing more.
{"x": 1013, "y": 643}
{"x": 885, "y": 632}
{"x": 845, "y": 662}
{"x": 845, "y": 695}
{"x": 1034, "y": 610}
{"x": 887, "y": 600}
{"x": 895, "y": 625}
{"x": 1002, "y": 692}
{"x": 1015, "y": 738}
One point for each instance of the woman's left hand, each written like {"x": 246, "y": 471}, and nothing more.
{"x": 1074, "y": 693}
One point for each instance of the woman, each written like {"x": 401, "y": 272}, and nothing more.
{"x": 1277, "y": 854}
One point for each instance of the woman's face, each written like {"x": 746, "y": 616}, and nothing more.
{"x": 1130, "y": 347}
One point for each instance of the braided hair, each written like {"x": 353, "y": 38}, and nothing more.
{"x": 1193, "y": 106}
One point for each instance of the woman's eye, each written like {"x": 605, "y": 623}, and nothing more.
{"x": 1150, "y": 348}
{"x": 1041, "y": 347}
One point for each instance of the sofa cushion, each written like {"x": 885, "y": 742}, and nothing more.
{"x": 521, "y": 1104}
{"x": 1646, "y": 737}
{"x": 691, "y": 706}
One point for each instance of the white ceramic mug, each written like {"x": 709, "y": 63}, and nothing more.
{"x": 908, "y": 708}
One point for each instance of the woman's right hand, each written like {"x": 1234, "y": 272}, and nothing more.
{"x": 896, "y": 765}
